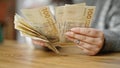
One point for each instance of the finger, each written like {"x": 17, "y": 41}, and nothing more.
{"x": 38, "y": 42}
{"x": 90, "y": 40}
{"x": 88, "y": 46}
{"x": 88, "y": 32}
{"x": 70, "y": 38}
{"x": 86, "y": 51}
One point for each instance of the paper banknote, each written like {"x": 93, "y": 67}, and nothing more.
{"x": 40, "y": 23}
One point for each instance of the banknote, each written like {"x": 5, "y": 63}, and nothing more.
{"x": 61, "y": 17}
{"x": 22, "y": 25}
{"x": 28, "y": 31}
{"x": 40, "y": 23}
{"x": 59, "y": 12}
{"x": 75, "y": 16}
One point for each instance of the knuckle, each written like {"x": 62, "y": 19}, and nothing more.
{"x": 87, "y": 30}
{"x": 101, "y": 34}
{"x": 83, "y": 37}
{"x": 92, "y": 40}
{"x": 99, "y": 41}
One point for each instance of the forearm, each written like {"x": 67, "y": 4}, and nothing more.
{"x": 112, "y": 41}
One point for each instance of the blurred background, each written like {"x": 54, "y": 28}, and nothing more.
{"x": 8, "y": 8}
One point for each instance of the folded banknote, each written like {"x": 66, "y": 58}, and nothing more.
{"x": 41, "y": 24}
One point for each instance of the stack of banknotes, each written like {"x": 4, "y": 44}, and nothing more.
{"x": 41, "y": 24}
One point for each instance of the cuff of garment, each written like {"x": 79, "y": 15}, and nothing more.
{"x": 111, "y": 42}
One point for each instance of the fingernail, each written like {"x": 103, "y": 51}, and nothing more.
{"x": 69, "y": 33}
{"x": 73, "y": 29}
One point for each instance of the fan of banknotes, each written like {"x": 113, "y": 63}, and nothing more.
{"x": 41, "y": 24}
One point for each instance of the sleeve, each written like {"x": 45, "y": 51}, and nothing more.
{"x": 112, "y": 33}
{"x": 112, "y": 41}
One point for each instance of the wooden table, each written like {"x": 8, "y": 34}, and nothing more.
{"x": 14, "y": 55}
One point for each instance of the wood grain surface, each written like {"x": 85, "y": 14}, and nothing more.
{"x": 15, "y": 55}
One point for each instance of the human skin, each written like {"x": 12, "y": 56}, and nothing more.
{"x": 91, "y": 40}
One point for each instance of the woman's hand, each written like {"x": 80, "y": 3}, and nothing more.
{"x": 88, "y": 39}
{"x": 43, "y": 45}
{"x": 38, "y": 42}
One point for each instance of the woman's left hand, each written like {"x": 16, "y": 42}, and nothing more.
{"x": 90, "y": 40}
